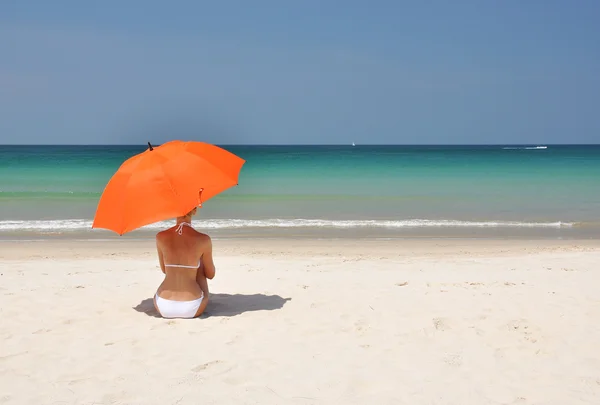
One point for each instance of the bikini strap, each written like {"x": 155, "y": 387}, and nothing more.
{"x": 179, "y": 228}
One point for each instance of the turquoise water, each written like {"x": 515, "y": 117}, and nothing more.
{"x": 389, "y": 188}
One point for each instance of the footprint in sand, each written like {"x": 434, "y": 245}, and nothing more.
{"x": 453, "y": 359}
{"x": 204, "y": 366}
{"x": 120, "y": 397}
{"x": 440, "y": 324}
{"x": 79, "y": 380}
{"x": 499, "y": 353}
{"x": 361, "y": 326}
{"x": 475, "y": 284}
{"x": 215, "y": 367}
{"x": 524, "y": 329}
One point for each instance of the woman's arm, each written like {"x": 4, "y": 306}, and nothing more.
{"x": 207, "y": 259}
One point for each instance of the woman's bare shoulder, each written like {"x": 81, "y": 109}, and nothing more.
{"x": 162, "y": 234}
{"x": 202, "y": 236}
{"x": 203, "y": 239}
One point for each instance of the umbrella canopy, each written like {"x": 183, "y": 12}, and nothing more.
{"x": 165, "y": 182}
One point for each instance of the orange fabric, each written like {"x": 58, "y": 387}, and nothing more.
{"x": 163, "y": 183}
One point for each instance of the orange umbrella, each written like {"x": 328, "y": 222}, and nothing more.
{"x": 165, "y": 182}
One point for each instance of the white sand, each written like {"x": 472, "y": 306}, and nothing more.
{"x": 305, "y": 322}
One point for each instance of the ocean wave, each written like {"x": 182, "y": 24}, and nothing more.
{"x": 525, "y": 147}
{"x": 81, "y": 224}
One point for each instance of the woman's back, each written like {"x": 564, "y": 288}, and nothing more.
{"x": 185, "y": 257}
{"x": 180, "y": 251}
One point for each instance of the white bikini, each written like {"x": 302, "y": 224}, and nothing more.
{"x": 179, "y": 309}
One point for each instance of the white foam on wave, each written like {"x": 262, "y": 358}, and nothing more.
{"x": 526, "y": 147}
{"x": 81, "y": 224}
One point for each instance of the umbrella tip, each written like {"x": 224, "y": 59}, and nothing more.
{"x": 150, "y": 146}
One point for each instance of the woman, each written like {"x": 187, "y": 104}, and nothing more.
{"x": 185, "y": 256}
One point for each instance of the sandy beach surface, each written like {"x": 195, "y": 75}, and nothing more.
{"x": 305, "y": 322}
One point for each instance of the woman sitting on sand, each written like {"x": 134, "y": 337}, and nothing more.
{"x": 185, "y": 256}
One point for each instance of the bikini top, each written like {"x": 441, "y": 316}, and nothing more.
{"x": 179, "y": 231}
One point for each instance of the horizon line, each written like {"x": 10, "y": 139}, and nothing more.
{"x": 308, "y": 144}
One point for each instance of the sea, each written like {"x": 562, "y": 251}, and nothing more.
{"x": 343, "y": 191}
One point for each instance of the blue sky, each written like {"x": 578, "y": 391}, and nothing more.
{"x": 401, "y": 72}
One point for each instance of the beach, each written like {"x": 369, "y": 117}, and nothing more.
{"x": 345, "y": 275}
{"x": 305, "y": 321}
{"x": 403, "y": 203}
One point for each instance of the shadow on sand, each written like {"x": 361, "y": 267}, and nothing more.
{"x": 226, "y": 304}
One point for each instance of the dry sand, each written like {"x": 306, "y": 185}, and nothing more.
{"x": 305, "y": 322}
